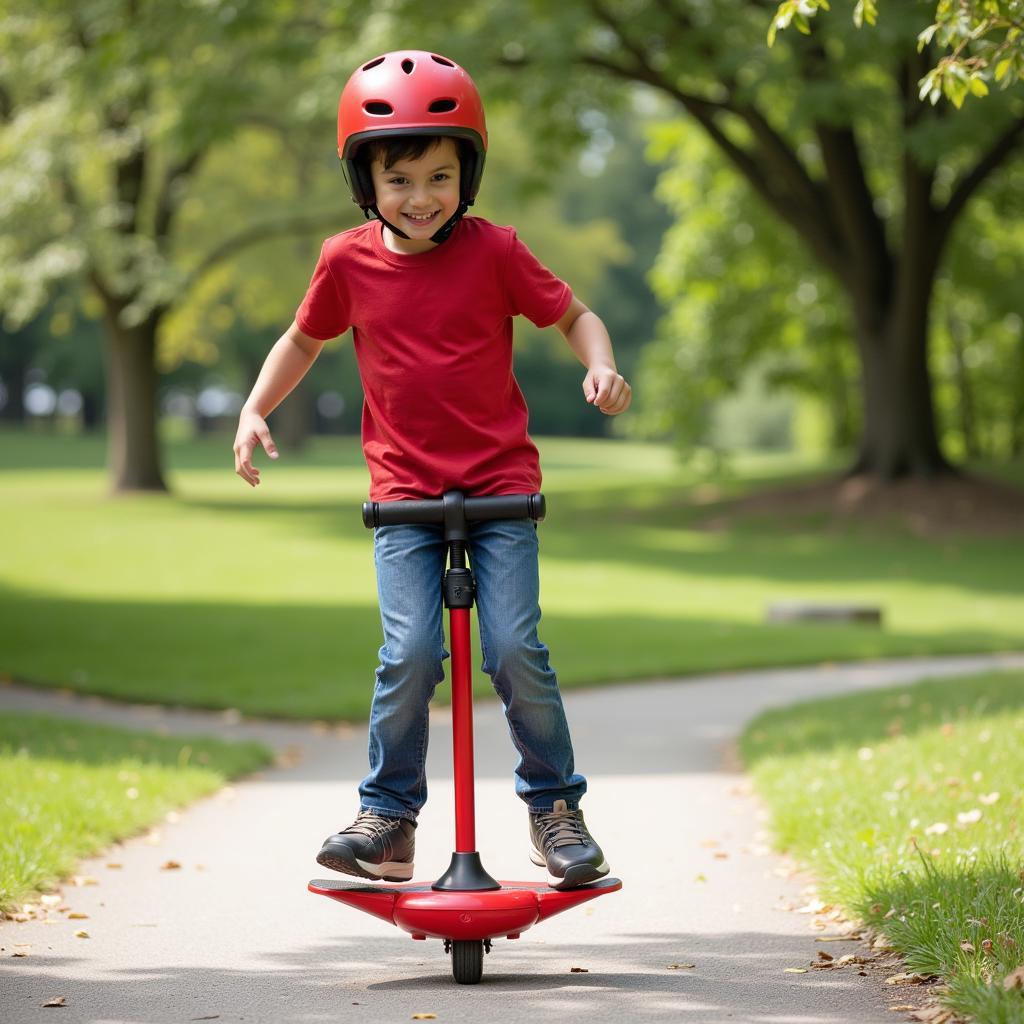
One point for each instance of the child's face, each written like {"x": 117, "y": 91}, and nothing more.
{"x": 418, "y": 196}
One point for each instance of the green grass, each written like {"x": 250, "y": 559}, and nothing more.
{"x": 68, "y": 789}
{"x": 220, "y": 596}
{"x": 908, "y": 805}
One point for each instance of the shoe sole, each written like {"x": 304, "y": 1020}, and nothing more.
{"x": 341, "y": 858}
{"x": 575, "y": 876}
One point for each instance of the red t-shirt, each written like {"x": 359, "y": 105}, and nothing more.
{"x": 433, "y": 339}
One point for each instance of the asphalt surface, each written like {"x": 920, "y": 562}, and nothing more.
{"x": 233, "y": 934}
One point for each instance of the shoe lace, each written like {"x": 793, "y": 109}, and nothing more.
{"x": 562, "y": 828}
{"x": 372, "y": 825}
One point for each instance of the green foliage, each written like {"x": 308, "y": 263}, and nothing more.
{"x": 69, "y": 788}
{"x": 108, "y": 112}
{"x": 981, "y": 41}
{"x": 906, "y": 804}
{"x": 978, "y": 361}
{"x": 740, "y": 294}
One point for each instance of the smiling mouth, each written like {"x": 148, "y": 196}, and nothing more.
{"x": 421, "y": 218}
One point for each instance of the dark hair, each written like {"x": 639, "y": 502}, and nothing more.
{"x": 406, "y": 147}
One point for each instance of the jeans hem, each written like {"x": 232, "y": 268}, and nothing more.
{"x": 387, "y": 812}
{"x": 570, "y": 805}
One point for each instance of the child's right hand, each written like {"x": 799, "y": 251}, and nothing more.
{"x": 252, "y": 430}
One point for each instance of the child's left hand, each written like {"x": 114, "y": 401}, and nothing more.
{"x": 608, "y": 390}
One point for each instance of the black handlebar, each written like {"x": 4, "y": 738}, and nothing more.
{"x": 433, "y": 510}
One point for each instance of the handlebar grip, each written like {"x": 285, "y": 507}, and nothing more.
{"x": 431, "y": 510}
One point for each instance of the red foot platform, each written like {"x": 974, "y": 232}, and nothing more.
{"x": 423, "y": 911}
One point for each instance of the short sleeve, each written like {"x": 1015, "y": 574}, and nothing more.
{"x": 324, "y": 312}
{"x": 531, "y": 289}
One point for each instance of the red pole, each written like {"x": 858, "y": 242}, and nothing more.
{"x": 462, "y": 731}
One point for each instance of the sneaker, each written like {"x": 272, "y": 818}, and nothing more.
{"x": 559, "y": 841}
{"x": 373, "y": 846}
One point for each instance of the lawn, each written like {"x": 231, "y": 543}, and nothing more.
{"x": 221, "y": 596}
{"x": 908, "y": 806}
{"x": 69, "y": 788}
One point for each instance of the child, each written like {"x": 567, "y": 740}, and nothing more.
{"x": 430, "y": 297}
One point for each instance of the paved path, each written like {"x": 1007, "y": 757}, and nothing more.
{"x": 234, "y": 935}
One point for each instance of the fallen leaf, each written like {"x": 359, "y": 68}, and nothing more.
{"x": 213, "y": 1016}
{"x": 967, "y": 947}
{"x": 56, "y": 1001}
{"x": 77, "y": 916}
{"x": 1015, "y": 979}
{"x": 114, "y": 866}
{"x": 80, "y": 880}
{"x": 814, "y": 907}
{"x": 19, "y": 954}
{"x": 50, "y": 899}
{"x": 424, "y": 1016}
{"x": 676, "y": 967}
{"x": 578, "y": 970}
{"x": 81, "y": 934}
{"x": 907, "y": 978}
{"x": 822, "y": 955}
{"x": 902, "y": 1008}
{"x": 933, "y": 1015}
{"x": 170, "y": 865}
{"x": 720, "y": 855}
{"x": 795, "y": 970}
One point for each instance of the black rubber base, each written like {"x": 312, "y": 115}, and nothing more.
{"x": 465, "y": 874}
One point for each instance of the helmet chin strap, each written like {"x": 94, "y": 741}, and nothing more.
{"x": 440, "y": 235}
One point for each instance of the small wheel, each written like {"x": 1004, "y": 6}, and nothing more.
{"x": 467, "y": 960}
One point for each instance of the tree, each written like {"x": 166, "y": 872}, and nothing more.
{"x": 827, "y": 130}
{"x": 107, "y": 114}
{"x": 742, "y": 299}
{"x": 980, "y": 41}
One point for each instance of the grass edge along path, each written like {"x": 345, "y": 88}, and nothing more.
{"x": 908, "y": 806}
{"x": 68, "y": 789}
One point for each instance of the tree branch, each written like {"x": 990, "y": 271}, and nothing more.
{"x": 297, "y": 224}
{"x": 972, "y": 181}
{"x": 168, "y": 200}
{"x": 800, "y": 203}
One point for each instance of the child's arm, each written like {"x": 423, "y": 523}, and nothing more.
{"x": 287, "y": 363}
{"x": 587, "y": 336}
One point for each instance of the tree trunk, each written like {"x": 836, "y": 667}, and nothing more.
{"x": 133, "y": 453}
{"x": 292, "y": 421}
{"x": 899, "y": 438}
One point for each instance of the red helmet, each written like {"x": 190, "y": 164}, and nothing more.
{"x": 410, "y": 92}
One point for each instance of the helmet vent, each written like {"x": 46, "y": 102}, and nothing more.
{"x": 378, "y": 107}
{"x": 442, "y": 106}
{"x": 408, "y": 65}
{"x": 373, "y": 63}
{"x": 442, "y": 60}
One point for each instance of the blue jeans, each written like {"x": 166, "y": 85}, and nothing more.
{"x": 410, "y": 561}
